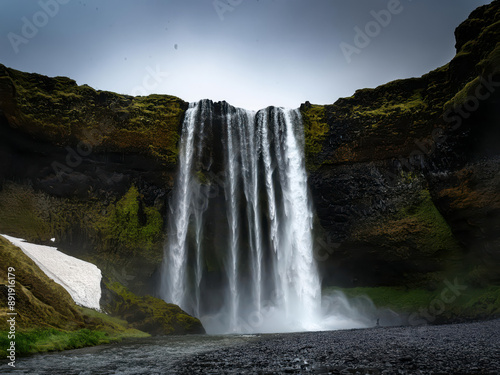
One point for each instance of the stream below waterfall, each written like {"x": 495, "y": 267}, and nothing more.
{"x": 154, "y": 355}
{"x": 467, "y": 348}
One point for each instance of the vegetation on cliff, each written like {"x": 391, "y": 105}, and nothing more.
{"x": 405, "y": 180}
{"x": 129, "y": 224}
{"x": 384, "y": 122}
{"x": 415, "y": 233}
{"x": 47, "y": 317}
{"x": 59, "y": 111}
{"x": 148, "y": 313}
{"x": 315, "y": 131}
{"x": 117, "y": 234}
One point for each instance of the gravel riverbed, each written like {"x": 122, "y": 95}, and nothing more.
{"x": 469, "y": 348}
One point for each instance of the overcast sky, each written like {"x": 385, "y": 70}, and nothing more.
{"x": 253, "y": 53}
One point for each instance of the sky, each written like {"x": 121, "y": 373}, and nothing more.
{"x": 251, "y": 53}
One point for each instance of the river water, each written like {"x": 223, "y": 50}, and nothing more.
{"x": 134, "y": 356}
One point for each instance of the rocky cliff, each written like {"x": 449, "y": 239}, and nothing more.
{"x": 92, "y": 169}
{"x": 404, "y": 177}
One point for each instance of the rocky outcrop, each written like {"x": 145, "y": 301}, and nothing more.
{"x": 148, "y": 314}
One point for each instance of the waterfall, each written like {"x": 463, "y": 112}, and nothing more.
{"x": 239, "y": 251}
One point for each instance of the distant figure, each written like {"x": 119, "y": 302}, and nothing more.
{"x": 378, "y": 322}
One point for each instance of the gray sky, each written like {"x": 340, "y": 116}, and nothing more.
{"x": 253, "y": 53}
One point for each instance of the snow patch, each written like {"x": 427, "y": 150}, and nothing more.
{"x": 81, "y": 279}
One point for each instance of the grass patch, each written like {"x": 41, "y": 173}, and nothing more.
{"x": 116, "y": 328}
{"x": 438, "y": 235}
{"x": 45, "y": 340}
{"x": 472, "y": 303}
{"x": 106, "y": 329}
{"x": 395, "y": 298}
{"x": 388, "y": 107}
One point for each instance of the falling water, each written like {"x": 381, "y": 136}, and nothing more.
{"x": 239, "y": 252}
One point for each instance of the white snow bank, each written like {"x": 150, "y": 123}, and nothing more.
{"x": 81, "y": 279}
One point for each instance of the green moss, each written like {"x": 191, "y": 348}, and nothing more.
{"x": 21, "y": 213}
{"x": 315, "y": 131}
{"x": 491, "y": 64}
{"x": 44, "y": 340}
{"x": 59, "y": 111}
{"x": 190, "y": 323}
{"x": 388, "y": 107}
{"x": 461, "y": 97}
{"x": 131, "y": 225}
{"x": 436, "y": 233}
{"x": 47, "y": 340}
{"x": 151, "y": 314}
{"x": 399, "y": 299}
{"x": 417, "y": 231}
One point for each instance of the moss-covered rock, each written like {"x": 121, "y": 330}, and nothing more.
{"x": 315, "y": 131}
{"x": 130, "y": 224}
{"x": 61, "y": 112}
{"x": 416, "y": 231}
{"x": 404, "y": 181}
{"x": 148, "y": 313}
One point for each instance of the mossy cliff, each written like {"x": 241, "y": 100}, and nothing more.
{"x": 122, "y": 235}
{"x": 405, "y": 176}
{"x": 62, "y": 113}
{"x": 91, "y": 168}
{"x": 48, "y": 319}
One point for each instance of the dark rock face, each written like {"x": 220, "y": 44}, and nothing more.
{"x": 69, "y": 156}
{"x": 400, "y": 157}
{"x": 404, "y": 177}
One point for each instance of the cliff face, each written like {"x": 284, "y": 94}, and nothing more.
{"x": 404, "y": 177}
{"x": 92, "y": 169}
